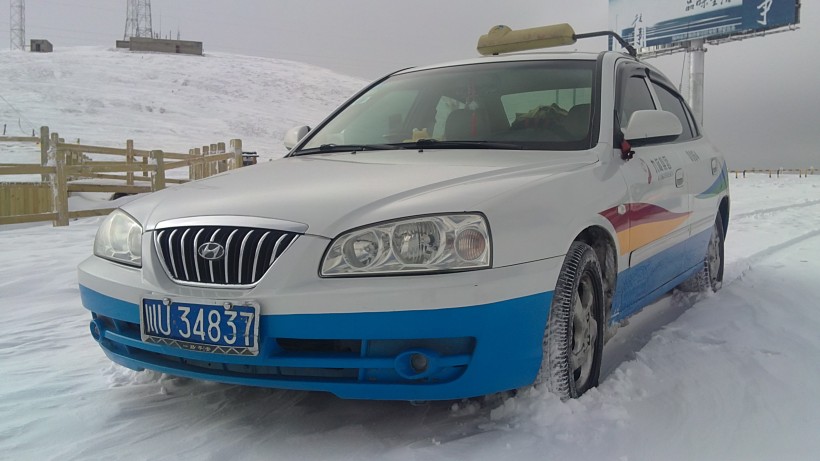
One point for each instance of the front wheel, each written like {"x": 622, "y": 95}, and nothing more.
{"x": 573, "y": 340}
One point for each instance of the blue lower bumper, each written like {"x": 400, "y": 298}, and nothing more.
{"x": 470, "y": 351}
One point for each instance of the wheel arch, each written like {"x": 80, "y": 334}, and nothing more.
{"x": 603, "y": 243}
{"x": 723, "y": 209}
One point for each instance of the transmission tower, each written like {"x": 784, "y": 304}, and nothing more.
{"x": 18, "y": 25}
{"x": 138, "y": 19}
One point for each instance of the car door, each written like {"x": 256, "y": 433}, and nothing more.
{"x": 705, "y": 172}
{"x": 655, "y": 228}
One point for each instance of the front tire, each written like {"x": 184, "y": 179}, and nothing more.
{"x": 573, "y": 340}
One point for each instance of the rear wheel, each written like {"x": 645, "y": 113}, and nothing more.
{"x": 710, "y": 276}
{"x": 573, "y": 340}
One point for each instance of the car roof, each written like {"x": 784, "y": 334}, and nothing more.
{"x": 515, "y": 57}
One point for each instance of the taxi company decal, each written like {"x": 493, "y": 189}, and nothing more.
{"x": 693, "y": 156}
{"x": 647, "y": 171}
{"x": 662, "y": 167}
{"x": 642, "y": 223}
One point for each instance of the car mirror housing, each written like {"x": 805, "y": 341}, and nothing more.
{"x": 294, "y": 135}
{"x": 652, "y": 126}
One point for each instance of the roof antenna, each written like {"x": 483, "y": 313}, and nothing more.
{"x": 608, "y": 33}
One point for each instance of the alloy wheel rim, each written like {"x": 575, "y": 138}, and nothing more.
{"x": 714, "y": 255}
{"x": 584, "y": 332}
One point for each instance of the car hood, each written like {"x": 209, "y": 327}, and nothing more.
{"x": 331, "y": 193}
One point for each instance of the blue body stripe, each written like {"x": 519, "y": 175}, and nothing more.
{"x": 108, "y": 306}
{"x": 646, "y": 282}
{"x": 720, "y": 184}
{"x": 507, "y": 350}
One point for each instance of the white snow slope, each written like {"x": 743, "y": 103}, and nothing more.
{"x": 161, "y": 101}
{"x": 727, "y": 376}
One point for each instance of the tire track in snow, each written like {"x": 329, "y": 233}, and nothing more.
{"x": 745, "y": 264}
{"x": 775, "y": 209}
{"x": 641, "y": 328}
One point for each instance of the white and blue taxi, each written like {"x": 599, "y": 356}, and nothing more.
{"x": 450, "y": 231}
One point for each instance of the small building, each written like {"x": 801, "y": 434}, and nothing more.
{"x": 39, "y": 45}
{"x": 160, "y": 45}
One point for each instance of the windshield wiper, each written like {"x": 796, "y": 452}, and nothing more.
{"x": 420, "y": 144}
{"x": 436, "y": 144}
{"x": 329, "y": 148}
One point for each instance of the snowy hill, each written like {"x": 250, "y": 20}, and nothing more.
{"x": 171, "y": 102}
{"x": 693, "y": 377}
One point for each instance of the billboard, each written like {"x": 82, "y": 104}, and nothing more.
{"x": 670, "y": 23}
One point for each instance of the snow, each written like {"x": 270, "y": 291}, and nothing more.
{"x": 732, "y": 375}
{"x": 161, "y": 101}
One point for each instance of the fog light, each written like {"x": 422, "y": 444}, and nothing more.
{"x": 96, "y": 330}
{"x": 416, "y": 364}
{"x": 419, "y": 363}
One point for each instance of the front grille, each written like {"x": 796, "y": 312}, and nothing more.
{"x": 248, "y": 253}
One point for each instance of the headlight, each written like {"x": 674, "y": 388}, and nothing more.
{"x": 425, "y": 244}
{"x": 119, "y": 239}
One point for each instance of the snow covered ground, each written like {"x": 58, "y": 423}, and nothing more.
{"x": 726, "y": 376}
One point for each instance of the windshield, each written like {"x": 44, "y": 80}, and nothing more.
{"x": 504, "y": 105}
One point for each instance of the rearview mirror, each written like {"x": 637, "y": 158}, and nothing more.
{"x": 652, "y": 126}
{"x": 294, "y": 135}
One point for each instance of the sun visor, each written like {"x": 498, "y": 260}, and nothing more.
{"x": 502, "y": 39}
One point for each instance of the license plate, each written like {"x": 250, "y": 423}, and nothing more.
{"x": 217, "y": 328}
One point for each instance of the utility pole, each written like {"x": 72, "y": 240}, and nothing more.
{"x": 697, "y": 58}
{"x": 18, "y": 25}
{"x": 138, "y": 19}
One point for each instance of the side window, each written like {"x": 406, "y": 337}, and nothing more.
{"x": 671, "y": 102}
{"x": 636, "y": 97}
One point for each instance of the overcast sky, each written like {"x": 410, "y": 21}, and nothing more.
{"x": 762, "y": 103}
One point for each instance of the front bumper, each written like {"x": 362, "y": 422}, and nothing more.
{"x": 471, "y": 351}
{"x": 480, "y": 331}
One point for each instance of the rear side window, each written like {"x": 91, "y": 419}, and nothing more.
{"x": 636, "y": 97}
{"x": 671, "y": 102}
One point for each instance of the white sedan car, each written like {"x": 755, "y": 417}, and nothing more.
{"x": 451, "y": 231}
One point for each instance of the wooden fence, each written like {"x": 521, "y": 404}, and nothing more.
{"x": 66, "y": 167}
{"x": 800, "y": 172}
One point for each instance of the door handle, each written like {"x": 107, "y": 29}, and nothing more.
{"x": 679, "y": 177}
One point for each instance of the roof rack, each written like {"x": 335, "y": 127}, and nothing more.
{"x": 502, "y": 39}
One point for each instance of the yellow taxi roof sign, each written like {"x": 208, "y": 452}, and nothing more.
{"x": 502, "y": 39}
